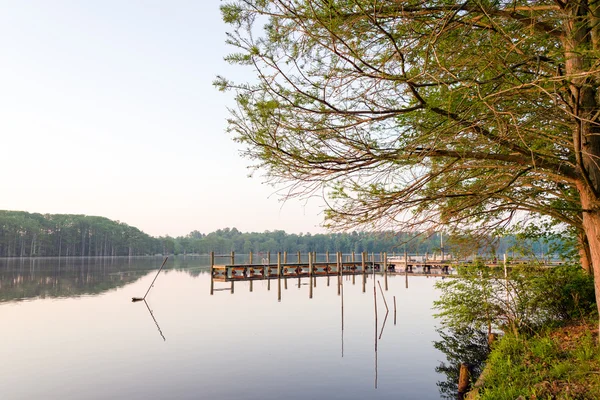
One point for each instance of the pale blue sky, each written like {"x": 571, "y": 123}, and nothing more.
{"x": 107, "y": 108}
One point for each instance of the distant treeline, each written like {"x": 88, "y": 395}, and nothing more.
{"x": 24, "y": 234}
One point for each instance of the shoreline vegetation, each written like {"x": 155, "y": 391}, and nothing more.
{"x": 546, "y": 321}
{"x": 556, "y": 363}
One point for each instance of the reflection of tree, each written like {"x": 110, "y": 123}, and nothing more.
{"x": 467, "y": 345}
{"x": 25, "y": 278}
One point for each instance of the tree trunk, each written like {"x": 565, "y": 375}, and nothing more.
{"x": 581, "y": 35}
{"x": 584, "y": 252}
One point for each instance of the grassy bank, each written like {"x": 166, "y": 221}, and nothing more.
{"x": 559, "y": 363}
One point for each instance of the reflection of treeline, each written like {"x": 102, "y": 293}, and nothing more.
{"x": 31, "y": 278}
{"x": 25, "y": 278}
{"x": 25, "y": 234}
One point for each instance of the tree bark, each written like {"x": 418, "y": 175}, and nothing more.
{"x": 584, "y": 252}
{"x": 581, "y": 37}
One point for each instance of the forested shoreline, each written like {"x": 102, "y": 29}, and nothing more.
{"x": 24, "y": 234}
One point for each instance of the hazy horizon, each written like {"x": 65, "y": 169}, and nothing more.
{"x": 109, "y": 110}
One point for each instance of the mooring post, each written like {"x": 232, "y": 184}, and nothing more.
{"x": 310, "y": 264}
{"x": 385, "y": 270}
{"x": 250, "y": 258}
{"x": 363, "y": 262}
{"x": 212, "y": 272}
{"x": 299, "y": 258}
{"x": 310, "y": 284}
{"x": 327, "y": 256}
{"x": 285, "y": 257}
{"x": 232, "y": 287}
{"x": 339, "y": 277}
{"x": 251, "y": 286}
{"x": 278, "y": 276}
{"x": 232, "y": 257}
{"x": 278, "y": 264}
{"x": 353, "y": 257}
{"x": 269, "y": 257}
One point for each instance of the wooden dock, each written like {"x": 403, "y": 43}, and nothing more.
{"x": 349, "y": 266}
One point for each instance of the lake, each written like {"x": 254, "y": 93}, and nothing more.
{"x": 70, "y": 331}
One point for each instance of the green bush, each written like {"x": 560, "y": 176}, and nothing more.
{"x": 525, "y": 300}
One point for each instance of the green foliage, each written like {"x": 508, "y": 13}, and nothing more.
{"x": 422, "y": 111}
{"x": 558, "y": 364}
{"x": 32, "y": 234}
{"x": 525, "y": 300}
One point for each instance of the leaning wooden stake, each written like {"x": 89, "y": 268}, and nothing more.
{"x": 134, "y": 299}
{"x": 382, "y": 295}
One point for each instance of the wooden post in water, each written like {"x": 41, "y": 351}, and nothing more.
{"x": 310, "y": 285}
{"x": 232, "y": 287}
{"x": 363, "y": 257}
{"x": 278, "y": 276}
{"x": 339, "y": 271}
{"x": 385, "y": 270}
{"x": 251, "y": 285}
{"x": 285, "y": 257}
{"x": 299, "y": 258}
{"x": 353, "y": 257}
{"x": 212, "y": 272}
{"x": 314, "y": 260}
{"x": 250, "y": 260}
{"x": 327, "y": 256}
{"x": 278, "y": 264}
{"x": 310, "y": 265}
{"x": 269, "y": 257}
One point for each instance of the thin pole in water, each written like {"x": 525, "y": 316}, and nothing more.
{"x": 152, "y": 284}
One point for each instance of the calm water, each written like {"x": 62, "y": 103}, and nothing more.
{"x": 70, "y": 331}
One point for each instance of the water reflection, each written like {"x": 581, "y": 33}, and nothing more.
{"x": 468, "y": 346}
{"x": 221, "y": 346}
{"x": 154, "y": 319}
{"x": 27, "y": 278}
